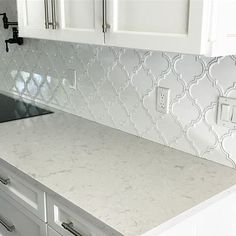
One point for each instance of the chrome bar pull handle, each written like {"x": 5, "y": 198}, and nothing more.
{"x": 53, "y": 23}
{"x": 9, "y": 228}
{"x": 46, "y": 9}
{"x": 54, "y": 19}
{"x": 105, "y": 25}
{"x": 69, "y": 227}
{"x": 5, "y": 181}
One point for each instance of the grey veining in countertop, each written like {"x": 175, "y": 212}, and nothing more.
{"x": 131, "y": 184}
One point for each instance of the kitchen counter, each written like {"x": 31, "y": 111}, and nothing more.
{"x": 131, "y": 184}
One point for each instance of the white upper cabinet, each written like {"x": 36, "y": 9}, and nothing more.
{"x": 223, "y": 28}
{"x": 168, "y": 25}
{"x": 64, "y": 20}
{"x": 186, "y": 26}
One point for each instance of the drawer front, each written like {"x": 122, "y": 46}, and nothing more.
{"x": 52, "y": 232}
{"x": 30, "y": 197}
{"x": 68, "y": 223}
{"x": 15, "y": 220}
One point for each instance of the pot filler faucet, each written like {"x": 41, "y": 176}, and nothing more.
{"x": 15, "y": 38}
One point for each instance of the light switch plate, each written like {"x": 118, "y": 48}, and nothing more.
{"x": 226, "y": 112}
{"x": 72, "y": 78}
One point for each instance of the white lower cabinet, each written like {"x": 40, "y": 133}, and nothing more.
{"x": 218, "y": 219}
{"x": 17, "y": 221}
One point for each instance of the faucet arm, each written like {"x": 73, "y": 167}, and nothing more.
{"x": 6, "y": 22}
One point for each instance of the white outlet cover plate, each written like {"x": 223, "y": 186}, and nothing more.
{"x": 163, "y": 100}
{"x": 232, "y": 103}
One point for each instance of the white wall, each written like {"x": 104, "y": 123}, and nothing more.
{"x": 116, "y": 87}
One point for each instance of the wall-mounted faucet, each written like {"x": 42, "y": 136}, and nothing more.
{"x": 15, "y": 38}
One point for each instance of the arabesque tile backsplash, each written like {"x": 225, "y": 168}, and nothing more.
{"x": 117, "y": 87}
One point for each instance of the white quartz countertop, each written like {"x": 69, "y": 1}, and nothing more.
{"x": 131, "y": 184}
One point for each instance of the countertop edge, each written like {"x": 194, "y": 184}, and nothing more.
{"x": 190, "y": 212}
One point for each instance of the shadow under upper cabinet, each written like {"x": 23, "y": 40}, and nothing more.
{"x": 14, "y": 109}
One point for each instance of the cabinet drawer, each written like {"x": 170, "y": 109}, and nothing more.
{"x": 23, "y": 192}
{"x": 74, "y": 223}
{"x": 15, "y": 220}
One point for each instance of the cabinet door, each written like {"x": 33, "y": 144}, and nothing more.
{"x": 81, "y": 21}
{"x": 15, "y": 220}
{"x": 76, "y": 21}
{"x": 167, "y": 25}
{"x": 31, "y": 19}
{"x": 224, "y": 31}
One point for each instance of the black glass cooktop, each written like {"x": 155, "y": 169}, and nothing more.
{"x": 13, "y": 109}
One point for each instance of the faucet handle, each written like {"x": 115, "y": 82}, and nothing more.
{"x": 7, "y": 47}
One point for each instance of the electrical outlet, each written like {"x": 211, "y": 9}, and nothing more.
{"x": 163, "y": 100}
